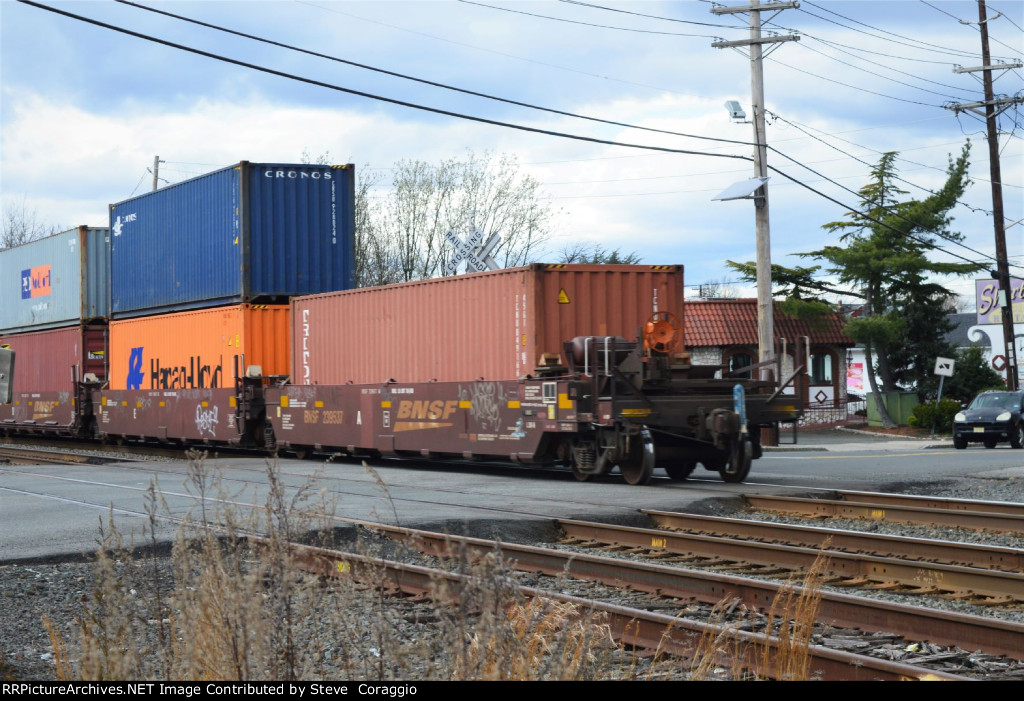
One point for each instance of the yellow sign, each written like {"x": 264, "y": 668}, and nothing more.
{"x": 563, "y": 298}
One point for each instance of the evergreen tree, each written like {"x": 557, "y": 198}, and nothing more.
{"x": 883, "y": 260}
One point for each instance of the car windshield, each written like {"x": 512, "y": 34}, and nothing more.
{"x": 999, "y": 400}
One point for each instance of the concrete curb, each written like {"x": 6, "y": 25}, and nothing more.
{"x": 886, "y": 436}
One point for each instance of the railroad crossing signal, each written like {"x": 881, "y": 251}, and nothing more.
{"x": 476, "y": 256}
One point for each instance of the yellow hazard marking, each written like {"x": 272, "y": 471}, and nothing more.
{"x": 124, "y": 402}
{"x": 165, "y": 403}
{"x": 659, "y": 542}
{"x": 342, "y": 567}
{"x": 513, "y": 404}
{"x": 318, "y": 404}
{"x": 563, "y": 401}
{"x": 204, "y": 404}
{"x": 635, "y": 413}
{"x": 232, "y": 402}
{"x": 877, "y": 513}
{"x": 385, "y": 405}
{"x": 551, "y": 411}
{"x": 284, "y": 400}
{"x": 563, "y": 298}
{"x": 463, "y": 404}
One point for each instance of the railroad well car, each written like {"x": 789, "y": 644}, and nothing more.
{"x": 553, "y": 393}
{"x": 230, "y": 322}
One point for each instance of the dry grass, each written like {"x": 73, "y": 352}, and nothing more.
{"x": 225, "y": 610}
{"x": 782, "y": 651}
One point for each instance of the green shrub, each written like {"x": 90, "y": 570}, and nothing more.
{"x": 937, "y": 414}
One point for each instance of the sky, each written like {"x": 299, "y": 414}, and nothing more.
{"x": 85, "y": 109}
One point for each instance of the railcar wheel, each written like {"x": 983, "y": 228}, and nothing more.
{"x": 679, "y": 471}
{"x": 738, "y": 467}
{"x": 638, "y": 465}
{"x": 301, "y": 453}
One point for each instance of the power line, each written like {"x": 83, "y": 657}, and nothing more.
{"x": 381, "y": 98}
{"x": 586, "y": 24}
{"x": 335, "y": 10}
{"x": 896, "y": 214}
{"x": 924, "y": 44}
{"x": 852, "y": 87}
{"x": 423, "y": 80}
{"x": 458, "y": 115}
{"x": 658, "y": 17}
{"x": 878, "y": 75}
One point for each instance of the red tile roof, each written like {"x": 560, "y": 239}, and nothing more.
{"x": 732, "y": 322}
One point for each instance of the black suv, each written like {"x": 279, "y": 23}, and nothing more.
{"x": 992, "y": 417}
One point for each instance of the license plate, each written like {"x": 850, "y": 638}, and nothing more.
{"x": 979, "y": 429}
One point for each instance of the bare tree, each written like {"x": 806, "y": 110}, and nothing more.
{"x": 21, "y": 225}
{"x": 589, "y": 252}
{"x": 718, "y": 289}
{"x": 401, "y": 235}
{"x": 489, "y": 193}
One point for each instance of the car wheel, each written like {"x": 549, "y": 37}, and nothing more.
{"x": 1017, "y": 436}
{"x": 990, "y": 444}
{"x": 959, "y": 443}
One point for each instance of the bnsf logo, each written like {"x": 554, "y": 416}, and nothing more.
{"x": 437, "y": 409}
{"x": 35, "y": 282}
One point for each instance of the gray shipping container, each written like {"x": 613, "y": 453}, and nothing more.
{"x": 56, "y": 281}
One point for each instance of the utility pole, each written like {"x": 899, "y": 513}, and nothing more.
{"x": 156, "y": 170}
{"x": 765, "y": 321}
{"x": 993, "y": 108}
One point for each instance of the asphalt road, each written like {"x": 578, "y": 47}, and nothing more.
{"x": 50, "y": 512}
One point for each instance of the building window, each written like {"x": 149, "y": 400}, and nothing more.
{"x": 738, "y": 361}
{"x": 822, "y": 369}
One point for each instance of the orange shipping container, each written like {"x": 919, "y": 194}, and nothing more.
{"x": 491, "y": 326}
{"x": 196, "y": 349}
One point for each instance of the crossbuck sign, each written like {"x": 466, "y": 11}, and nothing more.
{"x": 477, "y": 257}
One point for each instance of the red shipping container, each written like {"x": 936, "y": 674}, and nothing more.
{"x": 491, "y": 326}
{"x": 196, "y": 349}
{"x": 44, "y": 360}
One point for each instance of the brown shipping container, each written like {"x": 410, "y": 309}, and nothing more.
{"x": 491, "y": 326}
{"x": 43, "y": 360}
{"x": 196, "y": 349}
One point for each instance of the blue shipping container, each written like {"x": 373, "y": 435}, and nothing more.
{"x": 55, "y": 281}
{"x": 253, "y": 232}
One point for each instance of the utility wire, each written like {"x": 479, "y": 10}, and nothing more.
{"x": 585, "y": 24}
{"x": 641, "y": 14}
{"x": 425, "y": 81}
{"x": 435, "y": 37}
{"x": 883, "y": 77}
{"x": 852, "y": 87}
{"x": 371, "y": 96}
{"x": 482, "y": 120}
{"x": 896, "y": 214}
{"x": 977, "y": 29}
{"x": 926, "y": 45}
